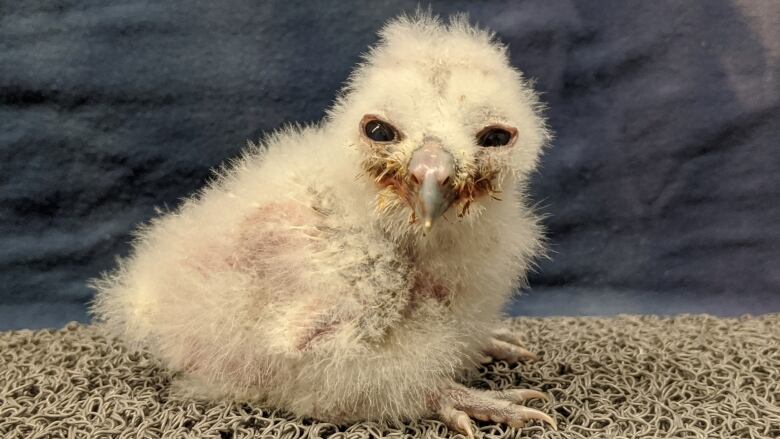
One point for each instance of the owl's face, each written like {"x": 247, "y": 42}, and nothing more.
{"x": 444, "y": 125}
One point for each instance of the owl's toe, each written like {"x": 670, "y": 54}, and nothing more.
{"x": 458, "y": 404}
{"x": 504, "y": 345}
{"x": 456, "y": 420}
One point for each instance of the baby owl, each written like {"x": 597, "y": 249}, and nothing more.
{"x": 356, "y": 269}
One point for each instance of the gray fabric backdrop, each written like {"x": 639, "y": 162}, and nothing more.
{"x": 662, "y": 187}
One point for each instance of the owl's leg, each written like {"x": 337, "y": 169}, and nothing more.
{"x": 459, "y": 404}
{"x": 504, "y": 345}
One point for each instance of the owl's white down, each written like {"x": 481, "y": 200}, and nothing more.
{"x": 298, "y": 279}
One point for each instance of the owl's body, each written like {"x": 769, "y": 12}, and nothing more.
{"x": 302, "y": 277}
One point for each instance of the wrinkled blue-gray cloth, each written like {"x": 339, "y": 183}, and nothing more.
{"x": 662, "y": 186}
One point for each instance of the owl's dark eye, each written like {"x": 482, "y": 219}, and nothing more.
{"x": 496, "y": 136}
{"x": 379, "y": 130}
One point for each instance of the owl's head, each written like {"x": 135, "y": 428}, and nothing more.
{"x": 445, "y": 127}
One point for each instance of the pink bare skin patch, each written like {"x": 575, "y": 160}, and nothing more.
{"x": 265, "y": 239}
{"x": 320, "y": 329}
{"x": 272, "y": 229}
{"x": 427, "y": 287}
{"x": 261, "y": 238}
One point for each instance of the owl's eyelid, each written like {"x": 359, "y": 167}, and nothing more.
{"x": 501, "y": 126}
{"x": 374, "y": 117}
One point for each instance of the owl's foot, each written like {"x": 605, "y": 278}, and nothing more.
{"x": 504, "y": 345}
{"x": 459, "y": 404}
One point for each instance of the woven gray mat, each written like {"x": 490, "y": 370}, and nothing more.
{"x": 689, "y": 376}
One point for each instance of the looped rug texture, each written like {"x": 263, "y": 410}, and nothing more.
{"x": 632, "y": 377}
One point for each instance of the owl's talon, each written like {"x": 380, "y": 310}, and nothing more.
{"x": 457, "y": 420}
{"x": 524, "y": 414}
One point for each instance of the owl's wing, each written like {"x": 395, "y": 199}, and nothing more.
{"x": 328, "y": 282}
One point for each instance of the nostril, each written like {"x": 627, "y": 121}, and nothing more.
{"x": 446, "y": 181}
{"x": 415, "y": 180}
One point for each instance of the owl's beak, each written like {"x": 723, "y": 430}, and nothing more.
{"x": 433, "y": 171}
